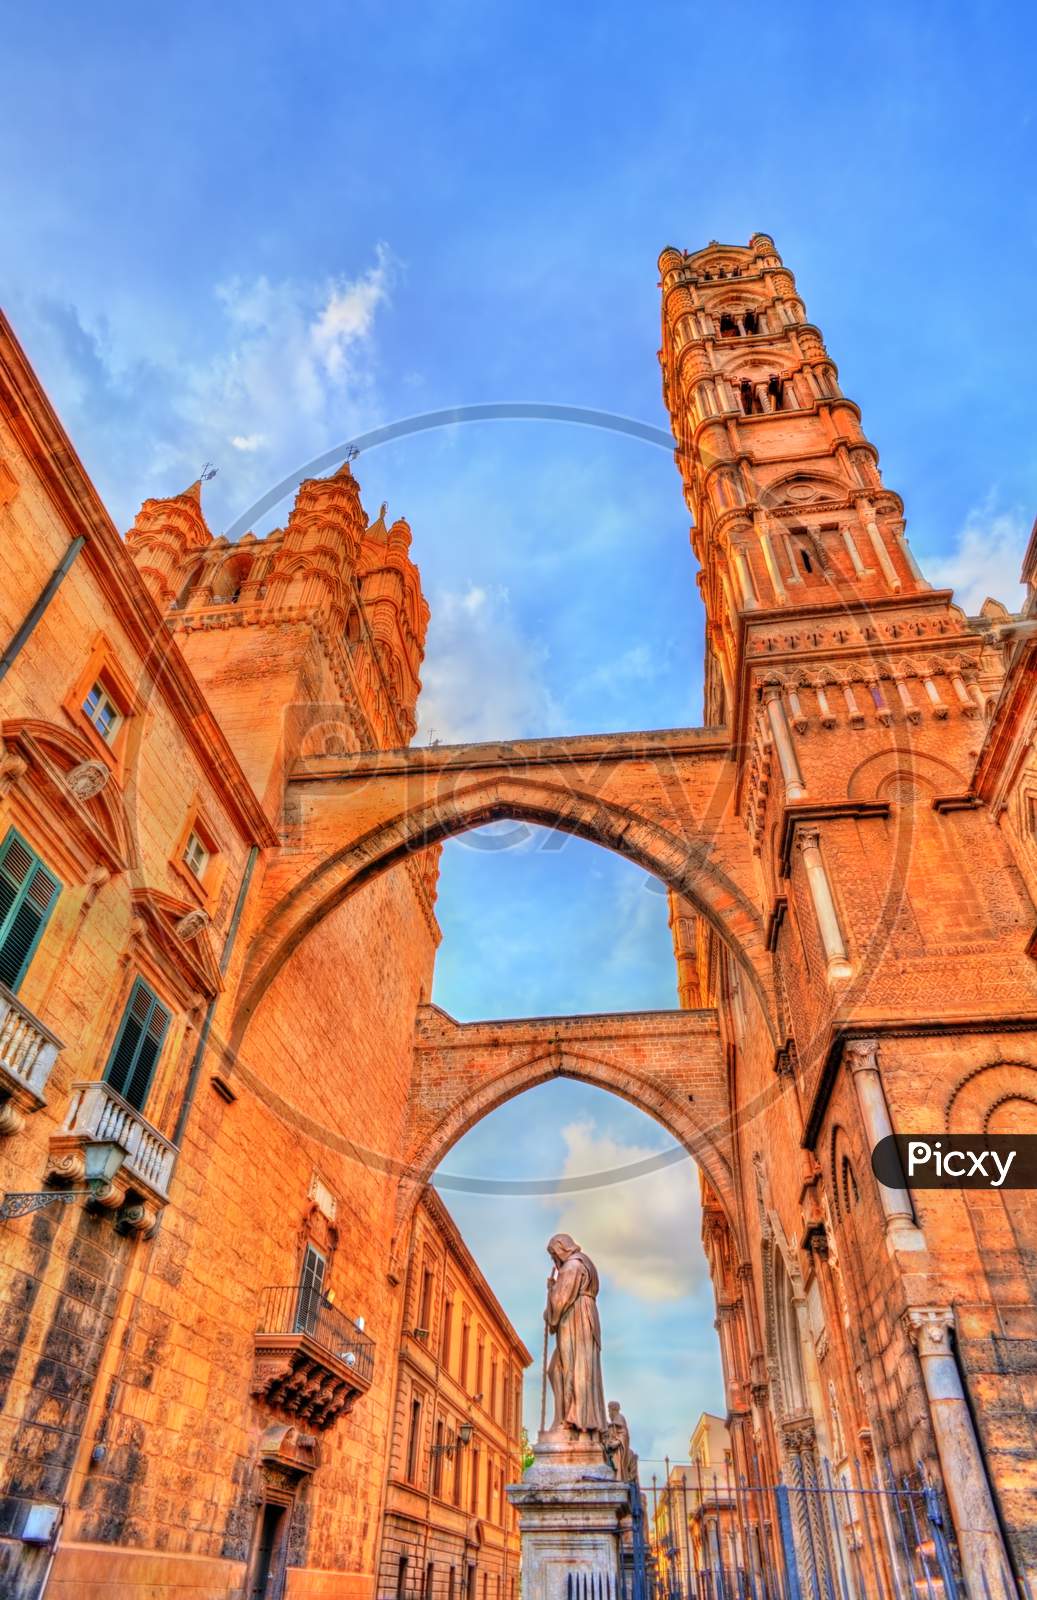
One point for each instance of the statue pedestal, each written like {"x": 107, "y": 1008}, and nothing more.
{"x": 570, "y": 1508}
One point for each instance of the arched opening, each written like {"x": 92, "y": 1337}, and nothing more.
{"x": 229, "y": 580}
{"x": 598, "y": 1168}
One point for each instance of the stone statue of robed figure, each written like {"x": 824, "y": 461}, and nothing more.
{"x": 574, "y": 1371}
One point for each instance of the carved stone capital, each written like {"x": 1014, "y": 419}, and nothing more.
{"x": 861, "y": 1055}
{"x": 786, "y": 1060}
{"x": 929, "y": 1328}
{"x": 808, "y": 837}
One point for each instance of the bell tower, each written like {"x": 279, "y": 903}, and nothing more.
{"x": 790, "y": 514}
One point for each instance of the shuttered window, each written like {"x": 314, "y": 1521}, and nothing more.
{"x": 27, "y": 895}
{"x": 311, "y": 1290}
{"x": 138, "y": 1045}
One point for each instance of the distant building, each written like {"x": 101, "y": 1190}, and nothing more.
{"x": 448, "y": 1531}
{"x": 712, "y": 1515}
{"x": 694, "y": 1516}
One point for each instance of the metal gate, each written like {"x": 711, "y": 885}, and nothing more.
{"x": 837, "y": 1537}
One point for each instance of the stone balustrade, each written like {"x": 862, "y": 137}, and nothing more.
{"x": 97, "y": 1115}
{"x": 28, "y": 1051}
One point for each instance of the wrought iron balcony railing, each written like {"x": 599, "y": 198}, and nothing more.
{"x": 310, "y": 1360}
{"x": 298, "y": 1308}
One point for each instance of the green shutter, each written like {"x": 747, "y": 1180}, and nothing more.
{"x": 27, "y": 895}
{"x": 138, "y": 1045}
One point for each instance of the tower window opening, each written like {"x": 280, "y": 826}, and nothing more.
{"x": 728, "y": 326}
{"x": 750, "y": 398}
{"x": 751, "y": 322}
{"x": 776, "y": 392}
{"x": 808, "y": 565}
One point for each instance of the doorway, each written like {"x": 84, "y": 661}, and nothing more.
{"x": 270, "y": 1550}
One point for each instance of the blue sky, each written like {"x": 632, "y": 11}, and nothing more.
{"x": 241, "y": 235}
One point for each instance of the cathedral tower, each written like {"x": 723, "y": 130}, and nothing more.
{"x": 790, "y": 512}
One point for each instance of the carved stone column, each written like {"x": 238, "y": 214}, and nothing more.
{"x": 795, "y": 788}
{"x": 861, "y": 1056}
{"x": 984, "y": 1558}
{"x": 808, "y": 842}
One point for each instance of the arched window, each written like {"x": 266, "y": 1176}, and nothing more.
{"x": 189, "y": 583}
{"x": 227, "y": 585}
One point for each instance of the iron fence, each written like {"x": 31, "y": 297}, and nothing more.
{"x": 826, "y": 1535}
{"x": 302, "y": 1308}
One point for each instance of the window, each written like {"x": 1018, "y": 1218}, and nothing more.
{"x": 27, "y": 895}
{"x": 102, "y": 703}
{"x": 138, "y": 1044}
{"x": 412, "y": 1441}
{"x": 493, "y": 1383}
{"x": 473, "y": 1503}
{"x": 196, "y": 856}
{"x": 447, "y": 1329}
{"x": 451, "y": 1588}
{"x": 480, "y": 1363}
{"x": 311, "y": 1289}
{"x": 437, "y": 1459}
{"x": 466, "y": 1335}
{"x": 401, "y": 1578}
{"x": 425, "y": 1303}
{"x": 458, "y": 1464}
{"x": 430, "y": 1578}
{"x": 101, "y": 710}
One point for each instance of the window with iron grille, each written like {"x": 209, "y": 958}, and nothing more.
{"x": 27, "y": 895}
{"x": 138, "y": 1045}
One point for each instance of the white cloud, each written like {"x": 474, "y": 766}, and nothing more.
{"x": 484, "y": 676}
{"x": 986, "y": 560}
{"x": 643, "y": 1233}
{"x": 285, "y": 370}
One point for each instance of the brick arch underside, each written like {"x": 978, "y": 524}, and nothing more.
{"x": 700, "y": 1127}
{"x": 688, "y": 864}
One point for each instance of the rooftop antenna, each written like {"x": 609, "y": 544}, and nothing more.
{"x": 207, "y": 473}
{"x": 352, "y": 452}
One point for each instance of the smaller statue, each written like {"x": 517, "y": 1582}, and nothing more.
{"x": 617, "y": 1445}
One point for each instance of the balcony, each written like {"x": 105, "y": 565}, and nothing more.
{"x": 310, "y": 1361}
{"x": 97, "y": 1115}
{"x": 28, "y": 1051}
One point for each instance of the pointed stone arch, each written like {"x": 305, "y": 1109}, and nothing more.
{"x": 668, "y": 1064}
{"x": 353, "y": 831}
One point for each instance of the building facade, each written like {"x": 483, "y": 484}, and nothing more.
{"x": 184, "y": 1411}
{"x": 448, "y": 1531}
{"x": 221, "y": 1070}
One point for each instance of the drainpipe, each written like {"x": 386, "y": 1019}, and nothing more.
{"x": 47, "y": 594}
{"x": 203, "y": 1037}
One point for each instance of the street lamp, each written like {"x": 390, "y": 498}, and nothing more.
{"x": 101, "y": 1161}
{"x": 464, "y": 1437}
